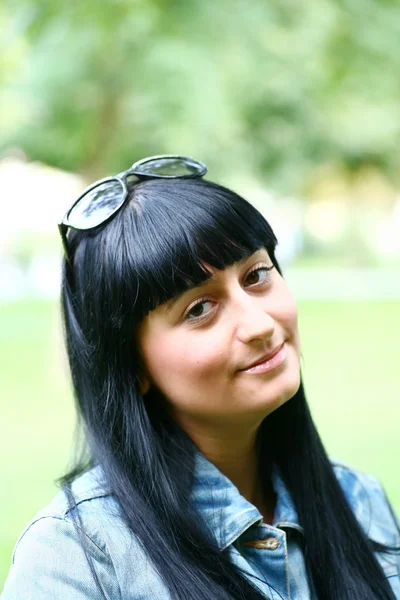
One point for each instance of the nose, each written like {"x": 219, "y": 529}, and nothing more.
{"x": 254, "y": 323}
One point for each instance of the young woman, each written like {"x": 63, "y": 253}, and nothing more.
{"x": 203, "y": 476}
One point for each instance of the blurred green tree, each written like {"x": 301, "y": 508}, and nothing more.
{"x": 282, "y": 86}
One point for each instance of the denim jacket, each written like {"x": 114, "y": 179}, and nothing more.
{"x": 48, "y": 562}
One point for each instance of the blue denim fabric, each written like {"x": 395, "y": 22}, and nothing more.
{"x": 48, "y": 562}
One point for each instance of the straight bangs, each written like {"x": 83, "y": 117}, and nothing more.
{"x": 172, "y": 228}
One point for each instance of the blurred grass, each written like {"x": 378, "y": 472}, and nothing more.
{"x": 350, "y": 370}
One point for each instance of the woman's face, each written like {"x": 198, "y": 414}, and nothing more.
{"x": 198, "y": 349}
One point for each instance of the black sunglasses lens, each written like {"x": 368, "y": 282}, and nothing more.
{"x": 97, "y": 205}
{"x": 170, "y": 167}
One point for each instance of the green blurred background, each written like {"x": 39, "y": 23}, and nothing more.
{"x": 296, "y": 105}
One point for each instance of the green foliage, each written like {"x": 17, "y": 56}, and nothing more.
{"x": 279, "y": 86}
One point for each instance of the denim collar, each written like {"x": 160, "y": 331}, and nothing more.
{"x": 227, "y": 513}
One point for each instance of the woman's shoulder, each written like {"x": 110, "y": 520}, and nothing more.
{"x": 369, "y": 501}
{"x": 90, "y": 492}
{"x": 86, "y": 487}
{"x": 59, "y": 521}
{"x": 94, "y": 503}
{"x": 48, "y": 557}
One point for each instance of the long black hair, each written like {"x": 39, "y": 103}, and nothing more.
{"x": 152, "y": 250}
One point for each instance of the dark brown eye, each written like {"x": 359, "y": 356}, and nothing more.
{"x": 260, "y": 275}
{"x": 199, "y": 310}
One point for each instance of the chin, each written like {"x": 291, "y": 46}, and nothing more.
{"x": 288, "y": 386}
{"x": 292, "y": 383}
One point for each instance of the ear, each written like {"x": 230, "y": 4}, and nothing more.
{"x": 144, "y": 384}
{"x": 143, "y": 377}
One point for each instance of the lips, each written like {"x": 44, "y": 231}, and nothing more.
{"x": 263, "y": 358}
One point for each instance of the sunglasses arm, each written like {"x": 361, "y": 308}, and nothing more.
{"x": 63, "y": 233}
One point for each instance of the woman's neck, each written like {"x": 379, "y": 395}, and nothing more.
{"x": 234, "y": 454}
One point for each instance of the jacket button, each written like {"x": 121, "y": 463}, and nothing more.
{"x": 268, "y": 544}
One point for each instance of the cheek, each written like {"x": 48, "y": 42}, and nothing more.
{"x": 172, "y": 361}
{"x": 287, "y": 315}
{"x": 293, "y": 327}
{"x": 292, "y": 314}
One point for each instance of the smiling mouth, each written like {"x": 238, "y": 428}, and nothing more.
{"x": 269, "y": 362}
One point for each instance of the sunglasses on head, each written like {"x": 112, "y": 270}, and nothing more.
{"x": 101, "y": 201}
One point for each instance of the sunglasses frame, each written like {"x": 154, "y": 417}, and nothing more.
{"x": 64, "y": 225}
